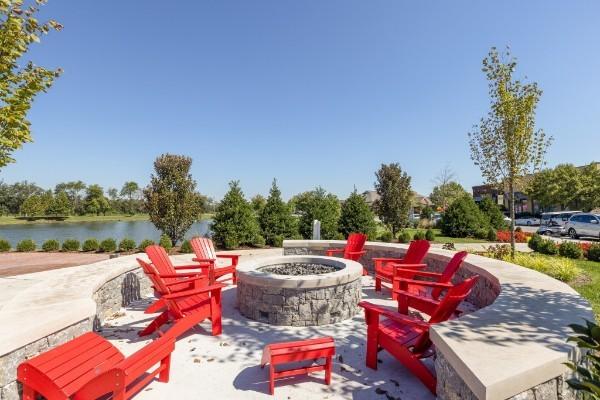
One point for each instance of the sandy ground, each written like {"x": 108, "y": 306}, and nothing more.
{"x": 227, "y": 366}
{"x": 13, "y": 263}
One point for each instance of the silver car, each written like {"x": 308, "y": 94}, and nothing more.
{"x": 583, "y": 224}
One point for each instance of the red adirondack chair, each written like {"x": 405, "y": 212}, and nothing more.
{"x": 161, "y": 261}
{"x": 413, "y": 259}
{"x": 207, "y": 257}
{"x": 353, "y": 249}
{"x": 407, "y": 338}
{"x": 410, "y": 292}
{"x": 90, "y": 367}
{"x": 186, "y": 308}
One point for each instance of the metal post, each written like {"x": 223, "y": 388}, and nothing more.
{"x": 316, "y": 230}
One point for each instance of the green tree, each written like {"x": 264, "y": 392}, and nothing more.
{"x": 130, "y": 191}
{"x": 506, "y": 145}
{"x": 537, "y": 188}
{"x": 33, "y": 206}
{"x": 276, "y": 220}
{"x": 590, "y": 187}
{"x": 463, "y": 218}
{"x": 258, "y": 202}
{"x": 357, "y": 216}
{"x": 426, "y": 212}
{"x": 60, "y": 205}
{"x": 393, "y": 205}
{"x": 74, "y": 191}
{"x": 19, "y": 85}
{"x": 235, "y": 223}
{"x": 492, "y": 213}
{"x": 320, "y": 205}
{"x": 171, "y": 198}
{"x": 13, "y": 196}
{"x": 95, "y": 202}
{"x": 443, "y": 195}
{"x": 565, "y": 186}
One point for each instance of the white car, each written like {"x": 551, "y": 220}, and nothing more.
{"x": 529, "y": 221}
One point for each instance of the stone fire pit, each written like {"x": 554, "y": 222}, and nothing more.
{"x": 299, "y": 290}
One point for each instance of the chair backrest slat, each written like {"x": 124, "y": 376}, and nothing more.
{"x": 160, "y": 259}
{"x": 417, "y": 250}
{"x": 152, "y": 274}
{"x": 355, "y": 243}
{"x": 203, "y": 248}
{"x": 449, "y": 271}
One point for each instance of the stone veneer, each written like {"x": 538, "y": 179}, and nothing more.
{"x": 299, "y": 306}
{"x": 109, "y": 298}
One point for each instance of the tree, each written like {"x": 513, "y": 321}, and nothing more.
{"x": 95, "y": 202}
{"x": 590, "y": 187}
{"x": 357, "y": 216}
{"x": 443, "y": 194}
{"x": 506, "y": 145}
{"x": 13, "y": 196}
{"x": 463, "y": 219}
{"x": 492, "y": 213}
{"x": 171, "y": 198}
{"x": 258, "y": 202}
{"x": 33, "y": 206}
{"x": 235, "y": 223}
{"x": 565, "y": 186}
{"x": 74, "y": 191}
{"x": 276, "y": 220}
{"x": 393, "y": 205}
{"x": 60, "y": 205}
{"x": 130, "y": 190}
{"x": 318, "y": 205}
{"x": 426, "y": 213}
{"x": 19, "y": 28}
{"x": 537, "y": 188}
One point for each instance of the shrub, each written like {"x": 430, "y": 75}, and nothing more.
{"x": 594, "y": 252}
{"x": 419, "y": 235}
{"x": 26, "y": 245}
{"x": 108, "y": 245}
{"x": 481, "y": 233}
{"x": 430, "y": 235}
{"x": 518, "y": 229}
{"x": 449, "y": 246}
{"x": 51, "y": 245}
{"x": 320, "y": 205}
{"x": 559, "y": 268}
{"x": 586, "y": 379}
{"x": 535, "y": 241}
{"x": 277, "y": 241}
{"x": 404, "y": 237}
{"x": 498, "y": 251}
{"x": 491, "y": 235}
{"x": 4, "y": 245}
{"x": 259, "y": 241}
{"x": 166, "y": 243}
{"x": 570, "y": 250}
{"x": 547, "y": 246}
{"x": 90, "y": 244}
{"x": 126, "y": 244}
{"x": 492, "y": 214}
{"x": 463, "y": 218}
{"x": 357, "y": 216}
{"x": 145, "y": 243}
{"x": 386, "y": 236}
{"x": 70, "y": 245}
{"x": 186, "y": 247}
{"x": 276, "y": 219}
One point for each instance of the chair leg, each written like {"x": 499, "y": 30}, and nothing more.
{"x": 328, "y": 371}
{"x": 372, "y": 347}
{"x": 215, "y": 314}
{"x": 365, "y": 271}
{"x": 154, "y": 325}
{"x": 155, "y": 307}
{"x": 29, "y": 393}
{"x": 377, "y": 284}
{"x": 165, "y": 365}
{"x": 234, "y": 277}
{"x": 271, "y": 379}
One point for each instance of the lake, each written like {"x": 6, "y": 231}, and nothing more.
{"x": 136, "y": 230}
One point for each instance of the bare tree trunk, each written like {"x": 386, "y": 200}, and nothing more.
{"x": 511, "y": 207}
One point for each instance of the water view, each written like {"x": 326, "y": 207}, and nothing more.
{"x": 136, "y": 230}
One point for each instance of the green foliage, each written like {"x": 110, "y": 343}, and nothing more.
{"x": 60, "y": 205}
{"x": 570, "y": 250}
{"x": 126, "y": 245}
{"x": 33, "y": 205}
{"x": 587, "y": 371}
{"x": 4, "y": 246}
{"x": 395, "y": 196}
{"x": 320, "y": 205}
{"x": 26, "y": 245}
{"x": 386, "y": 236}
{"x": 186, "y": 247}
{"x": 20, "y": 81}
{"x": 492, "y": 213}
{"x": 276, "y": 220}
{"x": 463, "y": 219}
{"x": 430, "y": 235}
{"x": 419, "y": 235}
{"x": 445, "y": 193}
{"x": 108, "y": 245}
{"x": 165, "y": 242}
{"x": 145, "y": 243}
{"x": 491, "y": 234}
{"x": 171, "y": 198}
{"x": 13, "y": 196}
{"x": 259, "y": 242}
{"x": 258, "y": 202}
{"x": 594, "y": 252}
{"x": 535, "y": 241}
{"x": 404, "y": 237}
{"x": 426, "y": 213}
{"x": 498, "y": 251}
{"x": 90, "y": 244}
{"x": 357, "y": 216}
{"x": 481, "y": 233}
{"x": 235, "y": 223}
{"x": 547, "y": 246}
{"x": 70, "y": 245}
{"x": 131, "y": 191}
{"x": 51, "y": 245}
{"x": 559, "y": 268}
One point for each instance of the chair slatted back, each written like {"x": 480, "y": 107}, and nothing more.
{"x": 152, "y": 274}
{"x": 160, "y": 259}
{"x": 417, "y": 250}
{"x": 355, "y": 243}
{"x": 449, "y": 271}
{"x": 203, "y": 248}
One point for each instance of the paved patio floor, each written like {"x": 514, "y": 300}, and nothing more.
{"x": 227, "y": 366}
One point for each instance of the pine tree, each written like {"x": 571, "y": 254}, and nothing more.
{"x": 322, "y": 206}
{"x": 235, "y": 223}
{"x": 276, "y": 220}
{"x": 357, "y": 216}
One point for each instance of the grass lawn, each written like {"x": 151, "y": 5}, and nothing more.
{"x": 11, "y": 220}
{"x": 589, "y": 286}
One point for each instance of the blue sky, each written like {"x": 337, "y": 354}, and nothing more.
{"x": 310, "y": 92}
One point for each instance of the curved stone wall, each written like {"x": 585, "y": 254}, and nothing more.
{"x": 513, "y": 346}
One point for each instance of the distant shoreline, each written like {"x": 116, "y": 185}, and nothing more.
{"x": 74, "y": 219}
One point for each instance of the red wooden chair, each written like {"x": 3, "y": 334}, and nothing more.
{"x": 207, "y": 257}
{"x": 161, "y": 261}
{"x": 407, "y": 338}
{"x": 186, "y": 308}
{"x": 353, "y": 249}
{"x": 90, "y": 367}
{"x": 410, "y": 292}
{"x": 413, "y": 259}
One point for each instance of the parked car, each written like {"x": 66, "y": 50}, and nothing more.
{"x": 550, "y": 228}
{"x": 583, "y": 224}
{"x": 558, "y": 217}
{"x": 529, "y": 221}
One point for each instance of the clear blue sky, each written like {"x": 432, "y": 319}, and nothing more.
{"x": 310, "y": 92}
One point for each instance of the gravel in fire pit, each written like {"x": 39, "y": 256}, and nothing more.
{"x": 298, "y": 269}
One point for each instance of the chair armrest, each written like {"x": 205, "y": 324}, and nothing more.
{"x": 397, "y": 317}
{"x": 388, "y": 259}
{"x": 194, "y": 266}
{"x": 187, "y": 293}
{"x": 187, "y": 280}
{"x": 232, "y": 256}
{"x": 420, "y": 273}
{"x": 182, "y": 275}
{"x": 204, "y": 260}
{"x": 409, "y": 282}
{"x": 408, "y": 266}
